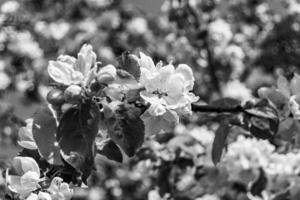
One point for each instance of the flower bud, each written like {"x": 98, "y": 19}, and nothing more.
{"x": 56, "y": 97}
{"x": 72, "y": 94}
{"x": 107, "y": 74}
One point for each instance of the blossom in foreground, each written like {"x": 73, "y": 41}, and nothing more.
{"x": 26, "y": 177}
{"x": 166, "y": 88}
{"x": 68, "y": 70}
{"x": 60, "y": 190}
{"x": 39, "y": 196}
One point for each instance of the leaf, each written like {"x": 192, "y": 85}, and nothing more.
{"x": 285, "y": 195}
{"x": 76, "y": 136}
{"x": 125, "y": 127}
{"x": 288, "y": 129}
{"x": 44, "y": 129}
{"x": 260, "y": 184}
{"x": 130, "y": 63}
{"x": 219, "y": 142}
{"x": 110, "y": 150}
{"x": 123, "y": 78}
{"x": 263, "y": 119}
{"x": 275, "y": 96}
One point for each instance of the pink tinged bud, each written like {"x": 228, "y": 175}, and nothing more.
{"x": 107, "y": 74}
{"x": 72, "y": 94}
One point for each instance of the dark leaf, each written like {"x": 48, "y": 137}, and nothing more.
{"x": 76, "y": 136}
{"x": 219, "y": 142}
{"x": 262, "y": 119}
{"x": 260, "y": 184}
{"x": 125, "y": 127}
{"x": 44, "y": 130}
{"x": 110, "y": 150}
{"x": 283, "y": 196}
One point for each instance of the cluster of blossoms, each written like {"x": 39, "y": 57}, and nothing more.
{"x": 246, "y": 156}
{"x": 26, "y": 180}
{"x": 77, "y": 80}
{"x": 165, "y": 88}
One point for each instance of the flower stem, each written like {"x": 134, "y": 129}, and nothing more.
{"x": 217, "y": 109}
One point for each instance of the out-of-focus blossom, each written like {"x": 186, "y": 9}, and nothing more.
{"x": 220, "y": 32}
{"x": 25, "y": 136}
{"x": 249, "y": 153}
{"x": 26, "y": 178}
{"x": 236, "y": 89}
{"x": 5, "y": 81}
{"x": 137, "y": 26}
{"x": 208, "y": 197}
{"x": 166, "y": 87}
{"x": 40, "y": 196}
{"x": 99, "y": 3}
{"x": 60, "y": 190}
{"x": 106, "y": 54}
{"x": 24, "y": 44}
{"x": 154, "y": 195}
{"x": 10, "y": 6}
{"x": 56, "y": 30}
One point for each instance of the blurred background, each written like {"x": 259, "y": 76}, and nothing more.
{"x": 234, "y": 47}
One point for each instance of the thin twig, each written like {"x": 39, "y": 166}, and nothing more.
{"x": 208, "y": 108}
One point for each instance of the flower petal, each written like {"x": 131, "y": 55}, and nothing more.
{"x": 67, "y": 59}
{"x": 156, "y": 109}
{"x": 32, "y": 196}
{"x": 26, "y": 164}
{"x": 187, "y": 73}
{"x": 44, "y": 196}
{"x": 86, "y": 59}
{"x": 61, "y": 72}
{"x": 174, "y": 86}
{"x": 146, "y": 62}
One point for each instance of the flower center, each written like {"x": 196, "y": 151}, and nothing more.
{"x": 160, "y": 94}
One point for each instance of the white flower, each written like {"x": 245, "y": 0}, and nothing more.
{"x": 25, "y": 136}
{"x": 23, "y": 43}
{"x": 220, "y": 31}
{"x": 236, "y": 89}
{"x": 26, "y": 178}
{"x": 166, "y": 87}
{"x": 60, "y": 190}
{"x": 107, "y": 74}
{"x": 39, "y": 196}
{"x": 68, "y": 70}
{"x": 5, "y": 81}
{"x": 10, "y": 7}
{"x": 137, "y": 26}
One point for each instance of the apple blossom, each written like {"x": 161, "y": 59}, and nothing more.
{"x": 26, "y": 177}
{"x": 68, "y": 70}
{"x": 60, "y": 190}
{"x": 166, "y": 88}
{"x": 107, "y": 74}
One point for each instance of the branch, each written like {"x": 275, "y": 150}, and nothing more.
{"x": 216, "y": 109}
